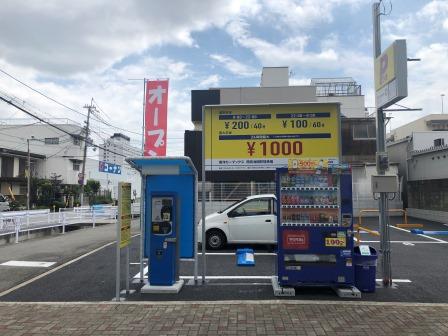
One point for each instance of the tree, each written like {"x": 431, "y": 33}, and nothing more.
{"x": 92, "y": 188}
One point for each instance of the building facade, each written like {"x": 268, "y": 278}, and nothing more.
{"x": 117, "y": 148}
{"x": 53, "y": 152}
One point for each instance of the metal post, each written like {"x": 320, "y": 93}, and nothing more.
{"x": 117, "y": 264}
{"x": 441, "y": 96}
{"x": 142, "y": 192}
{"x": 381, "y": 147}
{"x": 195, "y": 223}
{"x": 28, "y": 186}
{"x": 203, "y": 197}
{"x": 127, "y": 270}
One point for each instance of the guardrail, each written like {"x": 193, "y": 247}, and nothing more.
{"x": 17, "y": 222}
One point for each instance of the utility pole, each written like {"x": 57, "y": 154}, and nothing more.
{"x": 381, "y": 169}
{"x": 28, "y": 184}
{"x": 84, "y": 156}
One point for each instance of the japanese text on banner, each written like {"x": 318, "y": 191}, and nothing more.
{"x": 156, "y": 110}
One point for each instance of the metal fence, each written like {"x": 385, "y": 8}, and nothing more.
{"x": 17, "y": 222}
{"x": 221, "y": 195}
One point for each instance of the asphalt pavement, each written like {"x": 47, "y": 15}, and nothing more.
{"x": 419, "y": 267}
{"x": 57, "y": 249}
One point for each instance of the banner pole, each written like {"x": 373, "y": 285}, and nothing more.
{"x": 142, "y": 206}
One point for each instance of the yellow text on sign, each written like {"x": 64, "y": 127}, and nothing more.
{"x": 272, "y": 131}
{"x": 335, "y": 242}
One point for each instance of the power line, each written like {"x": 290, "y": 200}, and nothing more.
{"x": 62, "y": 104}
{"x": 76, "y": 136}
{"x": 42, "y": 94}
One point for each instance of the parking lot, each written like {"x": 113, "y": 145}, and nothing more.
{"x": 419, "y": 267}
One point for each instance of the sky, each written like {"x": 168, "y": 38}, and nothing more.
{"x": 75, "y": 50}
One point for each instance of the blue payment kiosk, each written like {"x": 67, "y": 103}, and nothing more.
{"x": 169, "y": 198}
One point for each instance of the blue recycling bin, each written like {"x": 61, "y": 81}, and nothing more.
{"x": 365, "y": 270}
{"x": 245, "y": 257}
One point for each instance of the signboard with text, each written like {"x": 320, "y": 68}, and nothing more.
{"x": 265, "y": 137}
{"x": 156, "y": 110}
{"x": 111, "y": 168}
{"x": 391, "y": 78}
{"x": 124, "y": 213}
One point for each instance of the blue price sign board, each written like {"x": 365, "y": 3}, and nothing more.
{"x": 111, "y": 168}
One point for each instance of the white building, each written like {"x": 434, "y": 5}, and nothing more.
{"x": 54, "y": 151}
{"x": 428, "y": 123}
{"x": 117, "y": 148}
{"x": 109, "y": 181}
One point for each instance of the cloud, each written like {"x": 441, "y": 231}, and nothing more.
{"x": 210, "y": 81}
{"x": 67, "y": 37}
{"x": 234, "y": 66}
{"x": 119, "y": 98}
{"x": 305, "y": 14}
{"x": 290, "y": 51}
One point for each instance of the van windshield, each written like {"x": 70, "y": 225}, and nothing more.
{"x": 231, "y": 205}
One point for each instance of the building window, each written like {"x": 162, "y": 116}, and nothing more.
{"x": 76, "y": 166}
{"x": 364, "y": 132}
{"x": 439, "y": 142}
{"x": 52, "y": 141}
{"x": 76, "y": 141}
{"x": 23, "y": 189}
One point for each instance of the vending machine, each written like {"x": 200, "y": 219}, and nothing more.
{"x": 314, "y": 225}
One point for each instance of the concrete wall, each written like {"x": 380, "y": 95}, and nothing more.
{"x": 267, "y": 95}
{"x": 362, "y": 189}
{"x": 430, "y": 165}
{"x": 425, "y": 140}
{"x": 351, "y": 106}
{"x": 431, "y": 215}
{"x": 274, "y": 77}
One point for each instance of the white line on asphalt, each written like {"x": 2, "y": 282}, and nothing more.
{"x": 234, "y": 253}
{"x": 145, "y": 271}
{"x": 421, "y": 235}
{"x": 40, "y": 276}
{"x": 20, "y": 263}
{"x": 404, "y": 242}
{"x": 228, "y": 277}
{"x": 397, "y": 280}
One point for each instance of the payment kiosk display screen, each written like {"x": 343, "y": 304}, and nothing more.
{"x": 162, "y": 215}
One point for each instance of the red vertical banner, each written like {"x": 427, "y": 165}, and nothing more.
{"x": 156, "y": 111}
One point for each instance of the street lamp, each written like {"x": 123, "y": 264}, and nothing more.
{"x": 441, "y": 96}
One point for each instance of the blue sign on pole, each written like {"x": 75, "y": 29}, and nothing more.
{"x": 111, "y": 168}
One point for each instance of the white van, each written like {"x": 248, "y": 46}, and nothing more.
{"x": 251, "y": 220}
{"x": 4, "y": 204}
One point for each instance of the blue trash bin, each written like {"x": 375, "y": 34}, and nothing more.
{"x": 365, "y": 270}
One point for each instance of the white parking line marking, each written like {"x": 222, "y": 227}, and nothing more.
{"x": 19, "y": 263}
{"x": 421, "y": 235}
{"x": 405, "y": 241}
{"x": 408, "y": 244}
{"x": 397, "y": 280}
{"x": 57, "y": 268}
{"x": 229, "y": 277}
{"x": 234, "y": 253}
